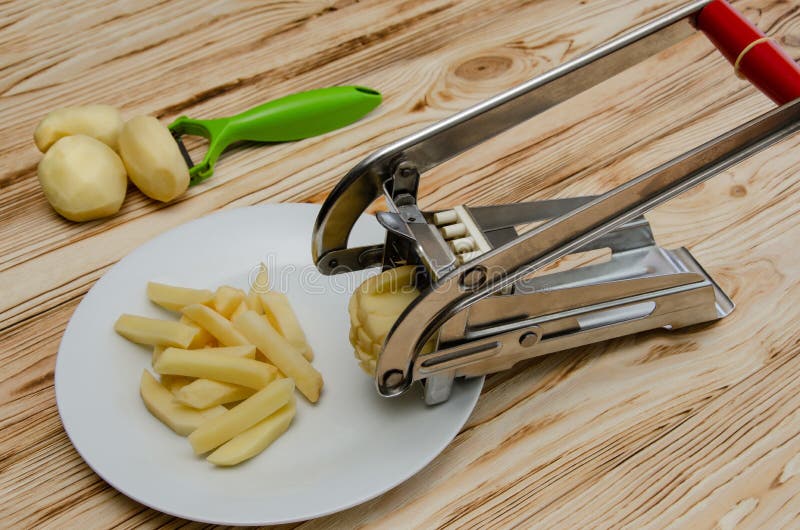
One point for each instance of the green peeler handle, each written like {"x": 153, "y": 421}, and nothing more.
{"x": 289, "y": 118}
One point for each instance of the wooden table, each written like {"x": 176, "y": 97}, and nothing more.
{"x": 692, "y": 428}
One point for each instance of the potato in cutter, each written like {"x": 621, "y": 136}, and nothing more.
{"x": 476, "y": 299}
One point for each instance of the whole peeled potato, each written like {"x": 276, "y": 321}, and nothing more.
{"x": 152, "y": 158}
{"x": 375, "y": 307}
{"x": 82, "y": 178}
{"x": 102, "y": 122}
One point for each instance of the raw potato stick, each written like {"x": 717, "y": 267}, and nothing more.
{"x": 174, "y": 383}
{"x": 255, "y": 439}
{"x": 254, "y": 302}
{"x": 243, "y": 352}
{"x": 216, "y": 324}
{"x": 176, "y": 298}
{"x": 227, "y": 299}
{"x": 202, "y": 364}
{"x": 157, "y": 351}
{"x": 203, "y": 337}
{"x": 154, "y": 331}
{"x": 285, "y": 321}
{"x": 252, "y": 410}
{"x": 280, "y": 353}
{"x": 205, "y": 393}
{"x": 180, "y": 418}
{"x": 241, "y": 308}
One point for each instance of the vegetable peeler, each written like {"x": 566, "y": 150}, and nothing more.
{"x": 477, "y": 298}
{"x": 286, "y": 119}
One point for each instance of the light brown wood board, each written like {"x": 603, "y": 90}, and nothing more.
{"x": 694, "y": 428}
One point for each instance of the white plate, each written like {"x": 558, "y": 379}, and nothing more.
{"x": 352, "y": 446}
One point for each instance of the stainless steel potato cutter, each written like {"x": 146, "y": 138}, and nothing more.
{"x": 478, "y": 299}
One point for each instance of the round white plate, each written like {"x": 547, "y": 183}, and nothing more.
{"x": 350, "y": 447}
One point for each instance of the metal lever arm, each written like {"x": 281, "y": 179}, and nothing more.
{"x": 445, "y": 139}
{"x": 514, "y": 261}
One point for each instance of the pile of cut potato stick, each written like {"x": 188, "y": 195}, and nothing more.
{"x": 228, "y": 367}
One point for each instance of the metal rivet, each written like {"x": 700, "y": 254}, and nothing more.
{"x": 405, "y": 169}
{"x": 393, "y": 378}
{"x": 528, "y": 339}
{"x": 473, "y": 278}
{"x": 333, "y": 263}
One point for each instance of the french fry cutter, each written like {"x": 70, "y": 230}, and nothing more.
{"x": 477, "y": 299}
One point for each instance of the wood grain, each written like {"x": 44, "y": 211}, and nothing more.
{"x": 697, "y": 428}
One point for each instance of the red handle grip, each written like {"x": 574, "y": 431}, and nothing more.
{"x": 764, "y": 64}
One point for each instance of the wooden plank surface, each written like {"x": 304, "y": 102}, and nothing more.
{"x": 697, "y": 428}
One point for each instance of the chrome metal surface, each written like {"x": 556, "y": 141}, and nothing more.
{"x": 432, "y": 249}
{"x": 445, "y": 139}
{"x": 437, "y": 388}
{"x": 530, "y": 252}
{"x": 636, "y": 290}
{"x": 491, "y": 311}
{"x": 528, "y": 339}
{"x": 497, "y": 222}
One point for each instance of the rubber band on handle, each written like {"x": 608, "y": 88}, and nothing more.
{"x": 744, "y": 52}
{"x": 754, "y": 56}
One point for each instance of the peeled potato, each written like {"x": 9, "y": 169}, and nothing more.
{"x": 82, "y": 178}
{"x": 152, "y": 158}
{"x": 389, "y": 304}
{"x": 102, "y": 122}
{"x": 399, "y": 279}
{"x": 375, "y": 307}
